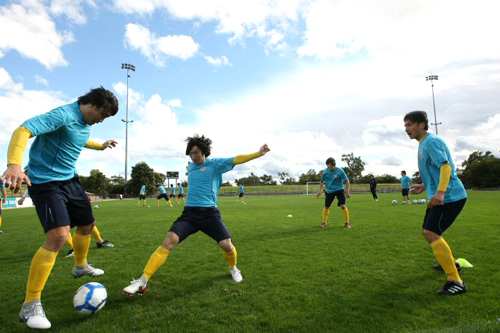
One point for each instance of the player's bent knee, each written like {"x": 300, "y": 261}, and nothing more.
{"x": 226, "y": 245}
{"x": 431, "y": 236}
{"x": 170, "y": 241}
{"x": 56, "y": 238}
{"x": 85, "y": 229}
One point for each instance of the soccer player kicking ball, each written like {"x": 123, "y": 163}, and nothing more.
{"x": 60, "y": 200}
{"x": 200, "y": 212}
{"x": 334, "y": 178}
{"x": 445, "y": 193}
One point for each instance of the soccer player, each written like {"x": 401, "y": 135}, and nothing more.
{"x": 241, "y": 189}
{"x": 200, "y": 212}
{"x": 60, "y": 200}
{"x": 445, "y": 193}
{"x": 373, "y": 188}
{"x": 180, "y": 194}
{"x": 405, "y": 184}
{"x": 172, "y": 195}
{"x": 3, "y": 199}
{"x": 142, "y": 195}
{"x": 163, "y": 194}
{"x": 334, "y": 179}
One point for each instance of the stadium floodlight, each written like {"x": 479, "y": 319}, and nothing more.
{"x": 128, "y": 67}
{"x": 432, "y": 78}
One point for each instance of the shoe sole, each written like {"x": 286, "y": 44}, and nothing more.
{"x": 137, "y": 293}
{"x": 79, "y": 276}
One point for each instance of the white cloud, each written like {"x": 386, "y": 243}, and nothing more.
{"x": 217, "y": 62}
{"x": 158, "y": 49}
{"x": 73, "y": 9}
{"x": 174, "y": 103}
{"x": 33, "y": 33}
{"x": 41, "y": 80}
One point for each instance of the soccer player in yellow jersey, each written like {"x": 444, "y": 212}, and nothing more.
{"x": 59, "y": 198}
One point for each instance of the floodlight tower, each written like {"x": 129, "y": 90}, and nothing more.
{"x": 128, "y": 67}
{"x": 432, "y": 78}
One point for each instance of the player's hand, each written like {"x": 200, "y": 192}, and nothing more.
{"x": 20, "y": 201}
{"x": 437, "y": 199}
{"x": 417, "y": 189}
{"x": 348, "y": 194}
{"x": 14, "y": 177}
{"x": 109, "y": 144}
{"x": 89, "y": 195}
{"x": 264, "y": 150}
{"x": 318, "y": 194}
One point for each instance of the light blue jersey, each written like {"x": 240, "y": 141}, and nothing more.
{"x": 143, "y": 190}
{"x": 180, "y": 189}
{"x": 204, "y": 181}
{"x": 242, "y": 189}
{"x": 162, "y": 189}
{"x": 334, "y": 180}
{"x": 172, "y": 191}
{"x": 61, "y": 135}
{"x": 432, "y": 154}
{"x": 405, "y": 182}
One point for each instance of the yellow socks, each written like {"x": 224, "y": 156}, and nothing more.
{"x": 81, "y": 245}
{"x": 41, "y": 266}
{"x": 231, "y": 257}
{"x": 95, "y": 233}
{"x": 139, "y": 203}
{"x": 0, "y": 218}
{"x": 156, "y": 260}
{"x": 157, "y": 203}
{"x": 445, "y": 258}
{"x": 326, "y": 212}
{"x": 69, "y": 241}
{"x": 346, "y": 214}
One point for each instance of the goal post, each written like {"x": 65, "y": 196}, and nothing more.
{"x": 312, "y": 188}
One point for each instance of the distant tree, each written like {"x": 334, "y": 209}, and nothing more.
{"x": 267, "y": 180}
{"x": 160, "y": 178}
{"x": 475, "y": 156}
{"x": 117, "y": 180}
{"x": 366, "y": 178}
{"x": 387, "y": 179}
{"x": 142, "y": 174}
{"x": 310, "y": 176}
{"x": 251, "y": 180}
{"x": 481, "y": 171}
{"x": 285, "y": 178}
{"x": 226, "y": 184}
{"x": 355, "y": 167}
{"x": 97, "y": 182}
{"x": 416, "y": 178}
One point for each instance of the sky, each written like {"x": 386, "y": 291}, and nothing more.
{"x": 312, "y": 79}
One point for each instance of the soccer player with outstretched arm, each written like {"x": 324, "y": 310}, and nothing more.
{"x": 61, "y": 202}
{"x": 445, "y": 193}
{"x": 201, "y": 212}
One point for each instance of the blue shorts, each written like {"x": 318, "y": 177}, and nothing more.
{"x": 142, "y": 197}
{"x": 331, "y": 196}
{"x": 61, "y": 203}
{"x": 439, "y": 218}
{"x": 405, "y": 192}
{"x": 163, "y": 195}
{"x": 180, "y": 195}
{"x": 205, "y": 219}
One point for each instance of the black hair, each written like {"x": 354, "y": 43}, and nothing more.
{"x": 418, "y": 117}
{"x": 100, "y": 98}
{"x": 331, "y": 161}
{"x": 203, "y": 143}
{"x": 402, "y": 171}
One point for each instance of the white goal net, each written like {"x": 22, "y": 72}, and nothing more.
{"x": 312, "y": 188}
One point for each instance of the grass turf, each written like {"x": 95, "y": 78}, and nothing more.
{"x": 298, "y": 277}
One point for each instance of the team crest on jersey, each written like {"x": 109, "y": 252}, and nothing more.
{"x": 203, "y": 168}
{"x": 421, "y": 154}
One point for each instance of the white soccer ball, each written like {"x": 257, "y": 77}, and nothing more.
{"x": 96, "y": 206}
{"x": 416, "y": 201}
{"x": 90, "y": 298}
{"x": 394, "y": 202}
{"x": 423, "y": 201}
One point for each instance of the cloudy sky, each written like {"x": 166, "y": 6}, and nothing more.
{"x": 312, "y": 79}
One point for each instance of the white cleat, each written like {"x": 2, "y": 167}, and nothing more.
{"x": 136, "y": 287}
{"x": 236, "y": 274}
{"x": 88, "y": 270}
{"x": 34, "y": 316}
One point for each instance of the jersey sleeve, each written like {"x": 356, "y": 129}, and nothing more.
{"x": 437, "y": 153}
{"x": 344, "y": 176}
{"x": 224, "y": 164}
{"x": 47, "y": 122}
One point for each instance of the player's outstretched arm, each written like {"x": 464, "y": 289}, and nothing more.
{"x": 417, "y": 188}
{"x": 100, "y": 146}
{"x": 348, "y": 189}
{"x": 320, "y": 190}
{"x": 245, "y": 158}
{"x": 14, "y": 175}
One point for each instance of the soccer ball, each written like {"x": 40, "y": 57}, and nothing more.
{"x": 96, "y": 206}
{"x": 90, "y": 298}
{"x": 416, "y": 201}
{"x": 423, "y": 201}
{"x": 394, "y": 202}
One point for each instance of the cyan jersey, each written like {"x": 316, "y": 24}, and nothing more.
{"x": 61, "y": 135}
{"x": 162, "y": 189}
{"x": 143, "y": 190}
{"x": 172, "y": 191}
{"x": 180, "y": 189}
{"x": 432, "y": 154}
{"x": 405, "y": 182}
{"x": 242, "y": 188}
{"x": 204, "y": 181}
{"x": 334, "y": 180}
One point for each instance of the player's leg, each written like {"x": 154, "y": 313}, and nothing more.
{"x": 69, "y": 242}
{"x": 404, "y": 197}
{"x": 170, "y": 201}
{"x": 158, "y": 200}
{"x": 100, "y": 242}
{"x": 341, "y": 203}
{"x": 326, "y": 210}
{"x": 437, "y": 220}
{"x": 1, "y": 200}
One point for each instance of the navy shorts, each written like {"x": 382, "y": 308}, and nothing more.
{"x": 61, "y": 203}
{"x": 331, "y": 196}
{"x": 163, "y": 195}
{"x": 439, "y": 218}
{"x": 180, "y": 195}
{"x": 405, "y": 192}
{"x": 241, "y": 195}
{"x": 142, "y": 197}
{"x": 205, "y": 219}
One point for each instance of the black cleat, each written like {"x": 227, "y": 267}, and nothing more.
{"x": 453, "y": 288}
{"x": 105, "y": 243}
{"x": 439, "y": 268}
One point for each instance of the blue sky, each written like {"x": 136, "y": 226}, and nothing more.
{"x": 312, "y": 79}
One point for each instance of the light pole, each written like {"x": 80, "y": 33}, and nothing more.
{"x": 432, "y": 78}
{"x": 128, "y": 67}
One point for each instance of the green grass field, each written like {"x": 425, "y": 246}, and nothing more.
{"x": 375, "y": 277}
